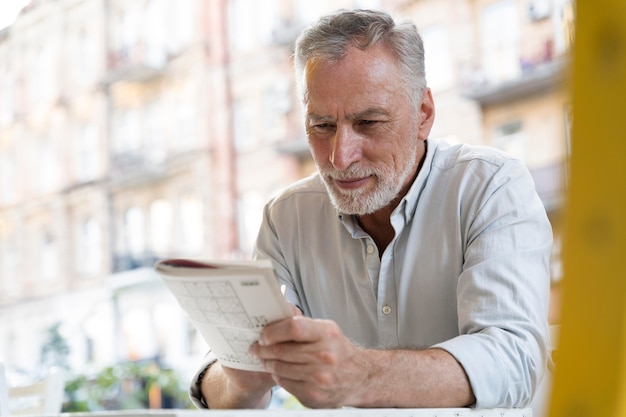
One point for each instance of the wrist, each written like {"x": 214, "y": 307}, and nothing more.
{"x": 198, "y": 383}
{"x": 251, "y": 395}
{"x": 366, "y": 392}
{"x": 226, "y": 387}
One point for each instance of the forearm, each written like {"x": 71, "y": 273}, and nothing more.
{"x": 414, "y": 379}
{"x": 221, "y": 392}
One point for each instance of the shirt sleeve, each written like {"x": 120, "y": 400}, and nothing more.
{"x": 503, "y": 291}
{"x": 194, "y": 387}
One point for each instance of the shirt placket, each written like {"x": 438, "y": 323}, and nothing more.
{"x": 387, "y": 293}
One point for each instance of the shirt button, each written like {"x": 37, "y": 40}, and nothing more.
{"x": 370, "y": 249}
{"x": 386, "y": 310}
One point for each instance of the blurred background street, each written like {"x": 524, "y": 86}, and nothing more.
{"x": 133, "y": 130}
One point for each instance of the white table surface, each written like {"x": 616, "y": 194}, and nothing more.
{"x": 346, "y": 412}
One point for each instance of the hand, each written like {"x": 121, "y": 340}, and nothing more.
{"x": 313, "y": 360}
{"x": 225, "y": 387}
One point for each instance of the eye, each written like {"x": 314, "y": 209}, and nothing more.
{"x": 366, "y": 123}
{"x": 320, "y": 127}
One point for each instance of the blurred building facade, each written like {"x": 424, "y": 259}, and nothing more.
{"x": 132, "y": 130}
{"x": 499, "y": 71}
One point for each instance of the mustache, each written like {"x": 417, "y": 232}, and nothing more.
{"x": 349, "y": 173}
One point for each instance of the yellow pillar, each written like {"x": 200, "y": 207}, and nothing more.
{"x": 590, "y": 378}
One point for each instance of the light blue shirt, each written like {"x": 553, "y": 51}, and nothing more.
{"x": 467, "y": 270}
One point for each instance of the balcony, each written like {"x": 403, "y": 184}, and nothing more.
{"x": 538, "y": 74}
{"x": 137, "y": 64}
{"x": 551, "y": 184}
{"x": 135, "y": 167}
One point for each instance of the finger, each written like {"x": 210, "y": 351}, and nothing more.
{"x": 294, "y": 329}
{"x": 293, "y": 371}
{"x": 287, "y": 352}
{"x": 295, "y": 310}
{"x": 314, "y": 354}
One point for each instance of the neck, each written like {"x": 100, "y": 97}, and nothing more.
{"x": 378, "y": 226}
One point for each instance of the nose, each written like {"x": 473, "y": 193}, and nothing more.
{"x": 347, "y": 148}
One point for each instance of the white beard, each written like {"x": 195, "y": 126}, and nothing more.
{"x": 366, "y": 201}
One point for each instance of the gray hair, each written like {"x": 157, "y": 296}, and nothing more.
{"x": 329, "y": 38}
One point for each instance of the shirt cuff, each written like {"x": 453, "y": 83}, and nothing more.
{"x": 195, "y": 394}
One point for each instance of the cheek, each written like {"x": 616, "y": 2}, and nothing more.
{"x": 320, "y": 150}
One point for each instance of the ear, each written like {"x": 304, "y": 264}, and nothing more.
{"x": 426, "y": 115}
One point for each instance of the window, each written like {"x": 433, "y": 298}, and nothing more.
{"x": 510, "y": 138}
{"x": 126, "y": 131}
{"x": 8, "y": 265}
{"x": 86, "y": 160}
{"x": 155, "y": 133}
{"x": 43, "y": 83}
{"x": 88, "y": 254}
{"x": 185, "y": 125}
{"x": 267, "y": 18}
{"x": 276, "y": 105}
{"x": 130, "y": 22}
{"x": 7, "y": 84}
{"x": 243, "y": 135}
{"x": 48, "y": 165}
{"x": 8, "y": 174}
{"x": 86, "y": 56}
{"x": 241, "y": 23}
{"x": 191, "y": 217}
{"x": 161, "y": 226}
{"x": 48, "y": 257}
{"x": 153, "y": 35}
{"x": 134, "y": 231}
{"x": 181, "y": 17}
{"x": 500, "y": 41}
{"x": 250, "y": 209}
{"x": 438, "y": 60}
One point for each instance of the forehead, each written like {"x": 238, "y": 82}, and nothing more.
{"x": 361, "y": 78}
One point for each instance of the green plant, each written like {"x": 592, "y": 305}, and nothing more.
{"x": 128, "y": 385}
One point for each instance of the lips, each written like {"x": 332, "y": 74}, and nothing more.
{"x": 352, "y": 183}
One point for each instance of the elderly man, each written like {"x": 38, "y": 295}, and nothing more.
{"x": 418, "y": 270}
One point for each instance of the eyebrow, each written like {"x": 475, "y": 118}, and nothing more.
{"x": 369, "y": 112}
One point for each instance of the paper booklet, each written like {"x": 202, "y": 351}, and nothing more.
{"x": 229, "y": 302}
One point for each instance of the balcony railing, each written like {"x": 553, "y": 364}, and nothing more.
{"x": 135, "y": 166}
{"x": 130, "y": 261}
{"x": 135, "y": 64}
{"x": 551, "y": 184}
{"x": 540, "y": 71}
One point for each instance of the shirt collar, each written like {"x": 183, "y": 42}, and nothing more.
{"x": 407, "y": 206}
